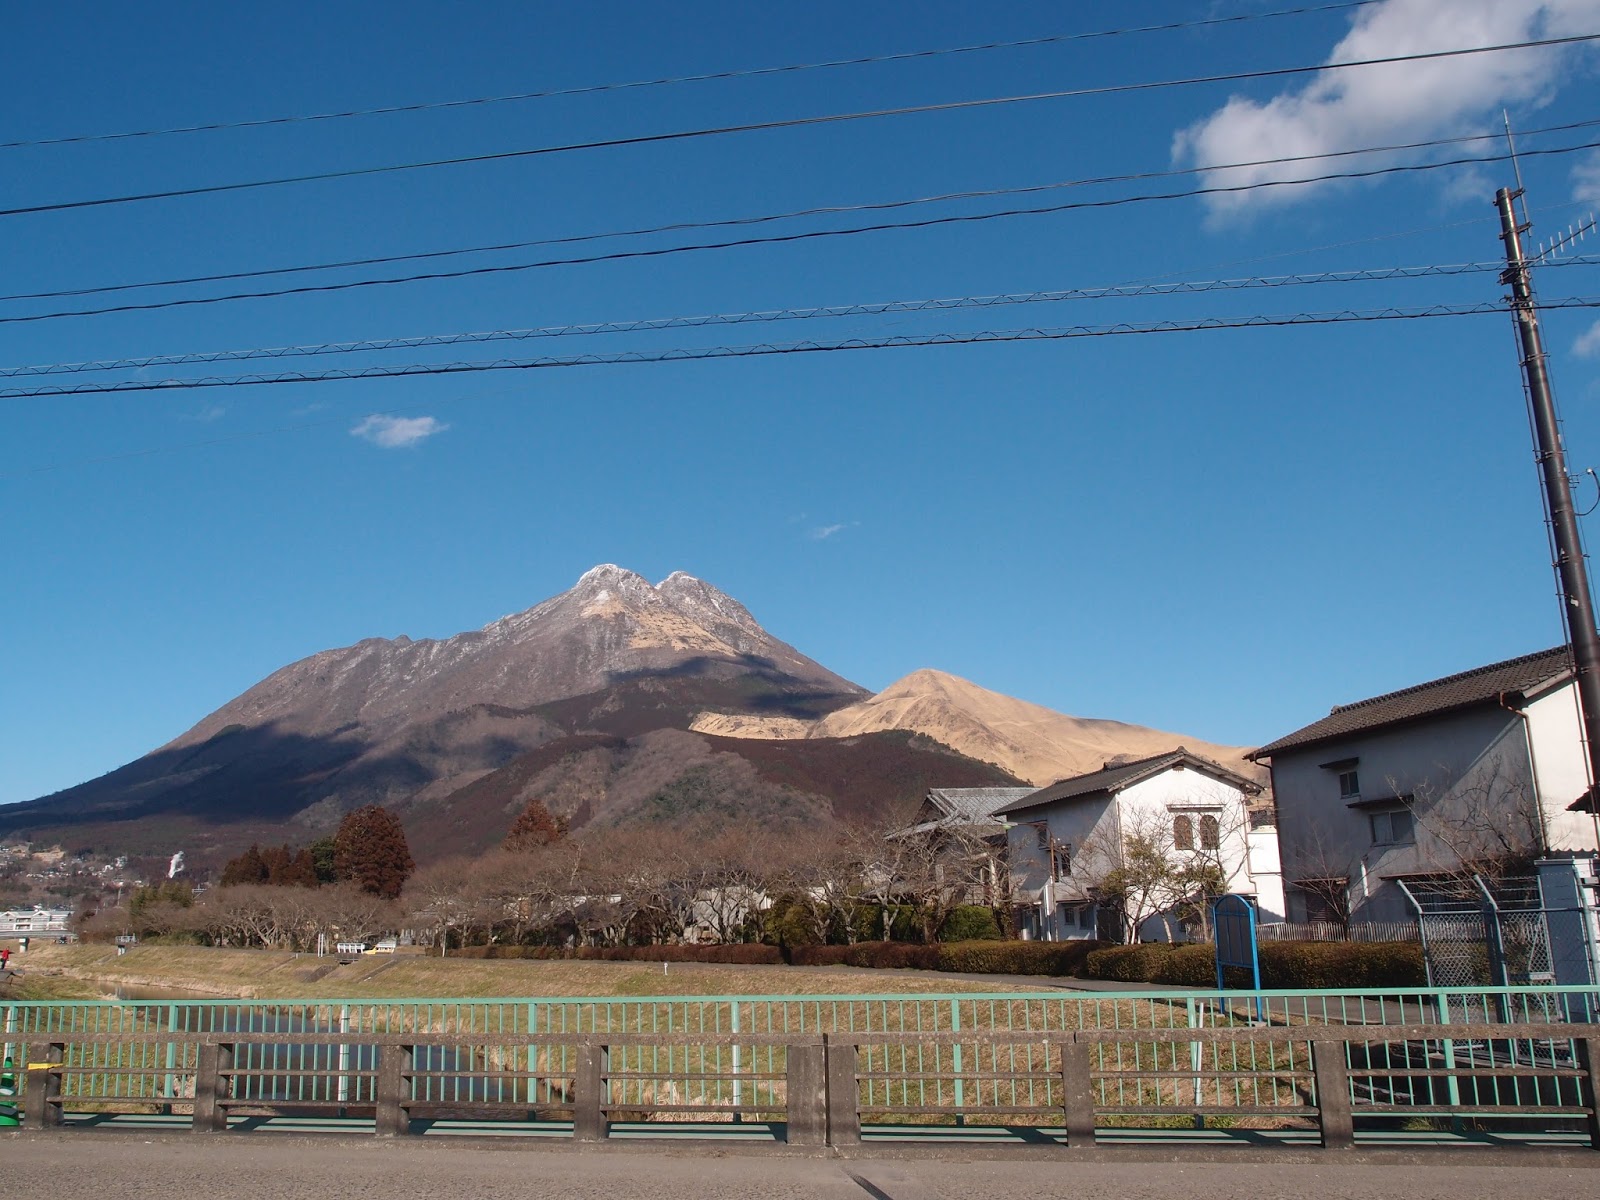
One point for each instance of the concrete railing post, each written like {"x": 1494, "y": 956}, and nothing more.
{"x": 1589, "y": 1064}
{"x": 393, "y": 1091}
{"x": 1077, "y": 1092}
{"x": 42, "y": 1093}
{"x": 844, "y": 1112}
{"x": 213, "y": 1062}
{"x": 806, "y": 1081}
{"x": 1331, "y": 1072}
{"x": 589, "y": 1120}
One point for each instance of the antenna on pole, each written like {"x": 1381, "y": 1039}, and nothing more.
{"x": 1516, "y": 167}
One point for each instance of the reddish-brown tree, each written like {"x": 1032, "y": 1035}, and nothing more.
{"x": 248, "y": 867}
{"x": 370, "y": 850}
{"x": 535, "y": 827}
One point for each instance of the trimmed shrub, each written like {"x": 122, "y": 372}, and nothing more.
{"x": 1128, "y": 964}
{"x": 1015, "y": 958}
{"x": 743, "y": 954}
{"x": 1189, "y": 966}
{"x": 867, "y": 954}
{"x": 970, "y": 923}
{"x": 1342, "y": 964}
{"x": 1288, "y": 965}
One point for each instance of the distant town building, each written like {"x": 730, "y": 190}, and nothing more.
{"x": 18, "y": 921}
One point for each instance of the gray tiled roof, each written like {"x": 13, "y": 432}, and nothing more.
{"x": 975, "y": 804}
{"x": 1115, "y": 776}
{"x": 1483, "y": 685}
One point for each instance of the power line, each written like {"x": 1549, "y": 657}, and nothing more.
{"x": 787, "y": 123}
{"x": 591, "y": 89}
{"x": 766, "y": 316}
{"x": 699, "y": 354}
{"x": 780, "y": 239}
{"x": 765, "y": 218}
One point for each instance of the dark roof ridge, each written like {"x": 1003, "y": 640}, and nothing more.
{"x": 1447, "y": 679}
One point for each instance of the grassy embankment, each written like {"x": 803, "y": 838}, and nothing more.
{"x": 97, "y": 972}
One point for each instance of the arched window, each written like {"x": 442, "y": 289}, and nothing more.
{"x": 1183, "y": 832}
{"x": 1210, "y": 833}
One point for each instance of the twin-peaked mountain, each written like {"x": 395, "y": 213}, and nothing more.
{"x": 615, "y": 701}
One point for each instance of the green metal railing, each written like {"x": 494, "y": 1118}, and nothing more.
{"x": 958, "y": 1069}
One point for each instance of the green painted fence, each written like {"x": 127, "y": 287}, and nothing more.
{"x": 960, "y": 1067}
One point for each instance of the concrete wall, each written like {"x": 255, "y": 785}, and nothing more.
{"x": 1560, "y": 767}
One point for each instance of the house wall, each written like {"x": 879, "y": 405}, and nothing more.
{"x": 1095, "y": 825}
{"x": 1266, "y": 872}
{"x": 1560, "y": 767}
{"x": 1150, "y": 806}
{"x": 1458, "y": 766}
{"x": 1082, "y": 824}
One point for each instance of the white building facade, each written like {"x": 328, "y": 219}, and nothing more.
{"x": 1067, "y": 840}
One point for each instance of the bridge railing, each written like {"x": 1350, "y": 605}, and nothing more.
{"x": 817, "y": 1087}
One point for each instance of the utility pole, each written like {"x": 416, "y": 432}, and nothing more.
{"x": 1577, "y": 608}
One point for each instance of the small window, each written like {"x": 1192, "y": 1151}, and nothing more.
{"x": 1042, "y": 832}
{"x": 1349, "y": 785}
{"x": 1061, "y": 860}
{"x": 1210, "y": 833}
{"x": 1183, "y": 832}
{"x": 1396, "y": 828}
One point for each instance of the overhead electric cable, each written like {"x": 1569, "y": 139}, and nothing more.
{"x": 780, "y": 239}
{"x": 765, "y": 218}
{"x": 749, "y": 73}
{"x": 704, "y": 353}
{"x": 766, "y": 316}
{"x": 786, "y": 123}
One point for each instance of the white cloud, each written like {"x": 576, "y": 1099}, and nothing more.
{"x": 1394, "y": 103}
{"x": 822, "y": 533}
{"x": 1588, "y": 344}
{"x": 392, "y": 433}
{"x": 1586, "y": 180}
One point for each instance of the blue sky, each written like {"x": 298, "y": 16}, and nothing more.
{"x": 1218, "y": 533}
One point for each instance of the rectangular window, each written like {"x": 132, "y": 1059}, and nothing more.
{"x": 1396, "y": 828}
{"x": 1349, "y": 784}
{"x": 1041, "y": 831}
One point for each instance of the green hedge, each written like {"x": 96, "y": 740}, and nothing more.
{"x": 744, "y": 954}
{"x": 970, "y": 923}
{"x": 1283, "y": 965}
{"x": 974, "y": 958}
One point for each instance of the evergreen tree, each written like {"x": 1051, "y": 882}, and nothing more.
{"x": 535, "y": 827}
{"x": 370, "y": 850}
{"x": 322, "y": 856}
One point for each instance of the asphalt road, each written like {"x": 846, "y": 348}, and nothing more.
{"x": 100, "y": 1166}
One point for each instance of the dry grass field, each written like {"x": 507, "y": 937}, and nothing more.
{"x": 98, "y": 972}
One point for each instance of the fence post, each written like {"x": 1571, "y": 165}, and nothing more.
{"x": 214, "y": 1061}
{"x": 844, "y": 1112}
{"x": 1332, "y": 1075}
{"x": 172, "y": 1057}
{"x": 1077, "y": 1091}
{"x": 394, "y": 1077}
{"x": 806, "y": 1081}
{"x": 955, "y": 1060}
{"x": 42, "y": 1094}
{"x": 1589, "y": 1063}
{"x": 589, "y": 1120}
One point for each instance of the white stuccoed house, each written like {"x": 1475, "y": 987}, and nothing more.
{"x": 1064, "y": 838}
{"x": 1419, "y": 783}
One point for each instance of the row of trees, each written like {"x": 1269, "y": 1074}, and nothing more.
{"x": 369, "y": 850}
